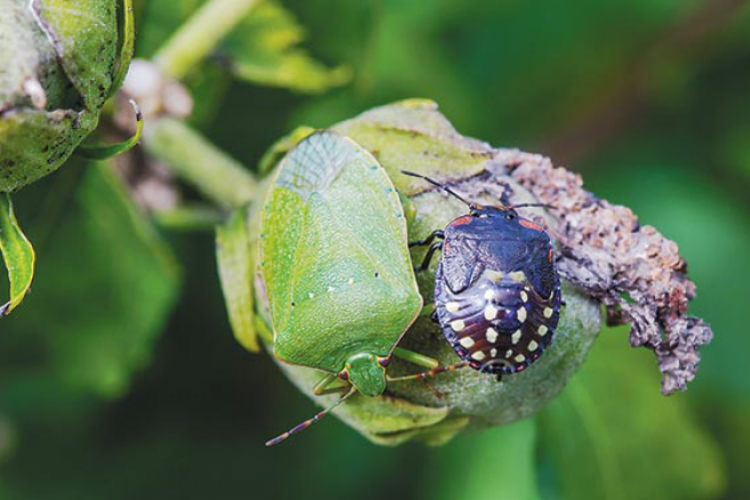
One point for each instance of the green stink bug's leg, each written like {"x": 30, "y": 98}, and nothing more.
{"x": 307, "y": 423}
{"x": 437, "y": 233}
{"x": 339, "y": 389}
{"x": 416, "y": 358}
{"x": 322, "y": 385}
{"x": 438, "y": 245}
{"x": 431, "y": 373}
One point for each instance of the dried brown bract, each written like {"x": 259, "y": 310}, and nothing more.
{"x": 633, "y": 270}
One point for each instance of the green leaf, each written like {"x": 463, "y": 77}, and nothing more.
{"x": 496, "y": 463}
{"x": 109, "y": 283}
{"x": 264, "y": 50}
{"x": 106, "y": 152}
{"x": 235, "y": 266}
{"x": 611, "y": 436}
{"x": 18, "y": 255}
{"x": 159, "y": 19}
{"x": 83, "y": 34}
{"x": 127, "y": 47}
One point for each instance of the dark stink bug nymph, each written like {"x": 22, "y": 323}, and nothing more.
{"x": 497, "y": 289}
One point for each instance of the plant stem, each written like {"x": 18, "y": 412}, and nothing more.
{"x": 197, "y": 37}
{"x": 191, "y": 157}
{"x": 190, "y": 218}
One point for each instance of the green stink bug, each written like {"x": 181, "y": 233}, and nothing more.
{"x": 336, "y": 266}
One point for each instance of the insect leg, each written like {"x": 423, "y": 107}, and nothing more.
{"x": 437, "y": 233}
{"x": 416, "y": 358}
{"x": 438, "y": 245}
{"x": 307, "y": 423}
{"x": 431, "y": 373}
{"x": 339, "y": 389}
{"x": 322, "y": 385}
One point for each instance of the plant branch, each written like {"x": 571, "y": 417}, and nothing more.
{"x": 197, "y": 37}
{"x": 194, "y": 159}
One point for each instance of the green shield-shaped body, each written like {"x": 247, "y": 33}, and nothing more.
{"x": 335, "y": 259}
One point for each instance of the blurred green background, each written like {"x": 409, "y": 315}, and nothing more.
{"x": 120, "y": 377}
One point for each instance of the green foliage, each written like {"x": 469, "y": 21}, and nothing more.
{"x": 610, "y": 436}
{"x": 497, "y": 463}
{"x": 127, "y": 46}
{"x": 91, "y": 152}
{"x": 235, "y": 265}
{"x": 647, "y": 99}
{"x": 18, "y": 255}
{"x": 263, "y": 50}
{"x": 108, "y": 284}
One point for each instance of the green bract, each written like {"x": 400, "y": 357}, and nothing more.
{"x": 409, "y": 135}
{"x": 336, "y": 263}
{"x": 60, "y": 63}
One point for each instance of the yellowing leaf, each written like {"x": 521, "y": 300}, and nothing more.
{"x": 18, "y": 255}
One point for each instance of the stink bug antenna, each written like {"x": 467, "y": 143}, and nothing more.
{"x": 436, "y": 183}
{"x": 307, "y": 423}
{"x": 524, "y": 205}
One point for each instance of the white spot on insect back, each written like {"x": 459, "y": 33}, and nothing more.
{"x": 491, "y": 335}
{"x": 543, "y": 330}
{"x": 524, "y": 296}
{"x": 509, "y": 353}
{"x": 533, "y": 345}
{"x": 548, "y": 312}
{"x": 467, "y": 342}
{"x": 520, "y": 358}
{"x": 478, "y": 355}
{"x": 458, "y": 325}
{"x": 451, "y": 307}
{"x": 521, "y": 314}
{"x": 490, "y": 313}
{"x": 515, "y": 337}
{"x": 489, "y": 294}
{"x": 493, "y": 352}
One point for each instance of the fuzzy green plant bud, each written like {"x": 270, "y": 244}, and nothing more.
{"x": 60, "y": 61}
{"x": 605, "y": 257}
{"x": 413, "y": 135}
